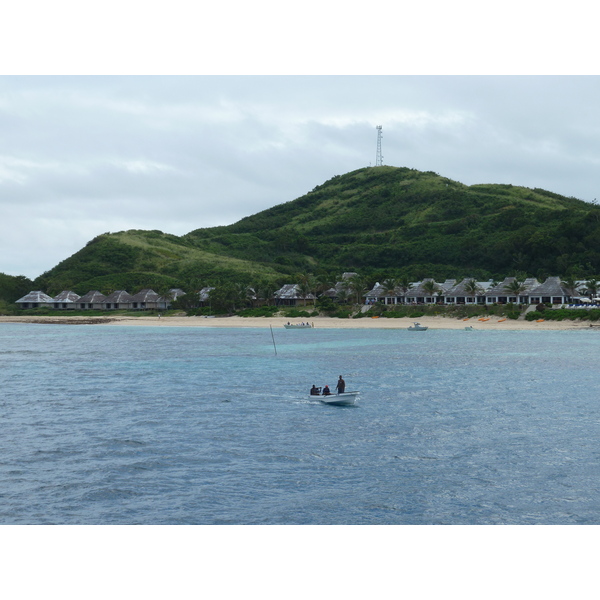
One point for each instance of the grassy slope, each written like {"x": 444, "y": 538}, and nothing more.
{"x": 135, "y": 259}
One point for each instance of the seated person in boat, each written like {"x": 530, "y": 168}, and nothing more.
{"x": 326, "y": 391}
{"x": 315, "y": 391}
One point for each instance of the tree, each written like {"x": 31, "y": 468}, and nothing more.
{"x": 390, "y": 285}
{"x": 404, "y": 284}
{"x": 592, "y": 286}
{"x": 431, "y": 288}
{"x": 242, "y": 296}
{"x": 223, "y": 297}
{"x": 324, "y": 282}
{"x": 343, "y": 293}
{"x": 516, "y": 287}
{"x": 307, "y": 284}
{"x": 358, "y": 285}
{"x": 265, "y": 289}
{"x": 570, "y": 284}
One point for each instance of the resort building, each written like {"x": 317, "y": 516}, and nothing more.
{"x": 118, "y": 300}
{"x": 66, "y": 300}
{"x": 550, "y": 292}
{"x": 290, "y": 295}
{"x": 342, "y": 288}
{"x": 471, "y": 292}
{"x": 93, "y": 300}
{"x": 145, "y": 299}
{"x": 204, "y": 296}
{"x": 35, "y": 300}
{"x": 502, "y": 293}
{"x": 426, "y": 292}
{"x": 376, "y": 294}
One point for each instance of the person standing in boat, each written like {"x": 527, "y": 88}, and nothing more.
{"x": 341, "y": 385}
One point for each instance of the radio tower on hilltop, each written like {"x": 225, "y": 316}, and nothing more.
{"x": 379, "y": 157}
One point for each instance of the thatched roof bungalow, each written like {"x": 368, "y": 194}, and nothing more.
{"x": 377, "y": 293}
{"x": 35, "y": 300}
{"x": 92, "y": 300}
{"x": 204, "y": 296}
{"x": 550, "y": 292}
{"x": 341, "y": 288}
{"x": 118, "y": 300}
{"x": 501, "y": 293}
{"x": 420, "y": 292}
{"x": 145, "y": 299}
{"x": 66, "y": 300}
{"x": 463, "y": 292}
{"x": 290, "y": 295}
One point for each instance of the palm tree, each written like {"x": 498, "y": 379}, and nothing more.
{"x": 431, "y": 288}
{"x": 324, "y": 282}
{"x": 307, "y": 284}
{"x": 343, "y": 293}
{"x": 404, "y": 284}
{"x": 592, "y": 286}
{"x": 358, "y": 285}
{"x": 570, "y": 284}
{"x": 516, "y": 287}
{"x": 265, "y": 289}
{"x": 389, "y": 286}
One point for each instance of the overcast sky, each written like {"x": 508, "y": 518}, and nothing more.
{"x": 81, "y": 155}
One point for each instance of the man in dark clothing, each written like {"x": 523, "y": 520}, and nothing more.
{"x": 341, "y": 385}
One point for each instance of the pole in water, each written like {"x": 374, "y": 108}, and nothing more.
{"x": 274, "y": 346}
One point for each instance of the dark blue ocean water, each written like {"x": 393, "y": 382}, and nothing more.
{"x": 142, "y": 425}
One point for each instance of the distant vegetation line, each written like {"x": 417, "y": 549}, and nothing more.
{"x": 383, "y": 222}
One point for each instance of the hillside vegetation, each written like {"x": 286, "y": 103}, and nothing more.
{"x": 380, "y": 221}
{"x": 12, "y": 288}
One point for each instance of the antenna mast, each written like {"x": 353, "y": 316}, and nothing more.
{"x": 379, "y": 157}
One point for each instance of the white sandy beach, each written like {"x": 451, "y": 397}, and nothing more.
{"x": 493, "y": 323}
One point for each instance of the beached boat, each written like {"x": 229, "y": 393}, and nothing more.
{"x": 417, "y": 327}
{"x": 298, "y": 326}
{"x": 344, "y": 399}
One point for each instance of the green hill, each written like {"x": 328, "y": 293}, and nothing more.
{"x": 397, "y": 218}
{"x": 386, "y": 220}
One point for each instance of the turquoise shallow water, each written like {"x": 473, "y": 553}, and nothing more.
{"x": 115, "y": 425}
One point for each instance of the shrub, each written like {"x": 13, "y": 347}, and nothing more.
{"x": 534, "y": 315}
{"x": 294, "y": 313}
{"x": 341, "y": 314}
{"x": 262, "y": 311}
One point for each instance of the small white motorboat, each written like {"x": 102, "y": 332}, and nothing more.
{"x": 469, "y": 328}
{"x": 343, "y": 399}
{"x": 298, "y": 326}
{"x": 417, "y": 327}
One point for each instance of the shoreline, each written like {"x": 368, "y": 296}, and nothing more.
{"x": 493, "y": 323}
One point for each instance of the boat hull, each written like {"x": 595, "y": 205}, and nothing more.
{"x": 298, "y": 326}
{"x": 345, "y": 399}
